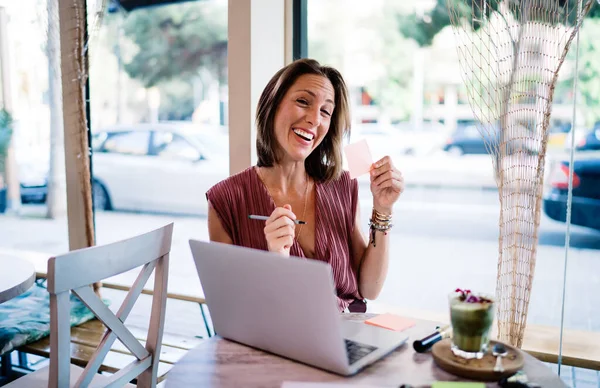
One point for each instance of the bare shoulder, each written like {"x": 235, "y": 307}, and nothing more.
{"x": 216, "y": 230}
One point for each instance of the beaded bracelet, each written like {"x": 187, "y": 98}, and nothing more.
{"x": 379, "y": 222}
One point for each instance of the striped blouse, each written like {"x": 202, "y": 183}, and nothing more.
{"x": 244, "y": 193}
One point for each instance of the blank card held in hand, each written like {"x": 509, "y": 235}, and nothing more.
{"x": 359, "y": 158}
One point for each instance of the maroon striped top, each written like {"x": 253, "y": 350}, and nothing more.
{"x": 335, "y": 211}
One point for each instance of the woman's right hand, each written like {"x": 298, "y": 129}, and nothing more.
{"x": 280, "y": 230}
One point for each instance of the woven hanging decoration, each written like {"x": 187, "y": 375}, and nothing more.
{"x": 510, "y": 54}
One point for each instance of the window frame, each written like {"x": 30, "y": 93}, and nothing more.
{"x": 299, "y": 29}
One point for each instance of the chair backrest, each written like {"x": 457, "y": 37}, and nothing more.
{"x": 76, "y": 272}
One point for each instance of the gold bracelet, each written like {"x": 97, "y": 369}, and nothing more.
{"x": 380, "y": 216}
{"x": 379, "y": 222}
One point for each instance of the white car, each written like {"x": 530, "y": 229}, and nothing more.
{"x": 382, "y": 139}
{"x": 162, "y": 167}
{"x": 401, "y": 139}
{"x": 430, "y": 138}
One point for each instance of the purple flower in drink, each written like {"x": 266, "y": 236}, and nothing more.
{"x": 467, "y": 296}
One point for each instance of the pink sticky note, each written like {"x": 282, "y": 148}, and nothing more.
{"x": 391, "y": 321}
{"x": 359, "y": 158}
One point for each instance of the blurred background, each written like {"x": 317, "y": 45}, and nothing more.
{"x": 159, "y": 134}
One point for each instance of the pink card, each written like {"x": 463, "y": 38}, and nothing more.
{"x": 391, "y": 321}
{"x": 359, "y": 158}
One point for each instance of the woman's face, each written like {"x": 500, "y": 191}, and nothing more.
{"x": 303, "y": 116}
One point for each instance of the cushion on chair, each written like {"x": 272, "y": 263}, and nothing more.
{"x": 39, "y": 378}
{"x": 26, "y": 318}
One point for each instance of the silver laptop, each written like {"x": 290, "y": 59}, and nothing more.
{"x": 285, "y": 306}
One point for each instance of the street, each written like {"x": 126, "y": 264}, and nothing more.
{"x": 449, "y": 238}
{"x": 442, "y": 239}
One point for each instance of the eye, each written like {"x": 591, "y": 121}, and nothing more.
{"x": 302, "y": 101}
{"x": 325, "y": 112}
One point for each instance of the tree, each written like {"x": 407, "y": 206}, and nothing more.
{"x": 475, "y": 13}
{"x": 175, "y": 41}
{"x": 5, "y": 139}
{"x": 424, "y": 28}
{"x": 363, "y": 37}
{"x": 392, "y": 89}
{"x": 588, "y": 83}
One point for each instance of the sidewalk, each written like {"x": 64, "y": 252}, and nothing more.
{"x": 31, "y": 235}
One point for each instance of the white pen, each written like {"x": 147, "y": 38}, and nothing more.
{"x": 264, "y": 218}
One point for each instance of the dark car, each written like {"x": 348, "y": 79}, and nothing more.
{"x": 33, "y": 193}
{"x": 34, "y": 180}
{"x": 485, "y": 139}
{"x": 467, "y": 140}
{"x": 585, "y": 208}
{"x": 590, "y": 142}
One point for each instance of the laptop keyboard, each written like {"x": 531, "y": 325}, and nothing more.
{"x": 356, "y": 350}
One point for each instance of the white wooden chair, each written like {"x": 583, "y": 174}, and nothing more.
{"x": 76, "y": 272}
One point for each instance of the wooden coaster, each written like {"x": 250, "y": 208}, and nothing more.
{"x": 482, "y": 369}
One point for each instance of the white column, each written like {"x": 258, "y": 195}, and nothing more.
{"x": 13, "y": 196}
{"x": 256, "y": 50}
{"x": 56, "y": 199}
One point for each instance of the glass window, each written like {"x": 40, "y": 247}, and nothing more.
{"x": 173, "y": 146}
{"x": 448, "y": 216}
{"x": 127, "y": 143}
{"x": 211, "y": 144}
{"x": 34, "y": 226}
{"x": 160, "y": 70}
{"x": 97, "y": 140}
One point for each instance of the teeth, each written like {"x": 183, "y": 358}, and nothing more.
{"x": 306, "y": 135}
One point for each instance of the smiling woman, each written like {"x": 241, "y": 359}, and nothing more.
{"x": 306, "y": 109}
{"x": 302, "y": 117}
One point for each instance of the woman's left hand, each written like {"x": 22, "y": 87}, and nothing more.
{"x": 387, "y": 184}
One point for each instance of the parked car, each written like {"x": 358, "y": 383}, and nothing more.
{"x": 157, "y": 167}
{"x": 585, "y": 208}
{"x": 474, "y": 139}
{"x": 383, "y": 139}
{"x": 165, "y": 167}
{"x": 33, "y": 182}
{"x": 429, "y": 138}
{"x": 590, "y": 141}
{"x": 467, "y": 140}
{"x": 585, "y": 139}
{"x": 400, "y": 139}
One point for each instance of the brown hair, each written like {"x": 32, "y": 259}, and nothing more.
{"x": 325, "y": 162}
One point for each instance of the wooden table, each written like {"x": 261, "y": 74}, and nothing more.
{"x": 16, "y": 277}
{"x": 222, "y": 363}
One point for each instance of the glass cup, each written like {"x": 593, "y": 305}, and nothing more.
{"x": 471, "y": 316}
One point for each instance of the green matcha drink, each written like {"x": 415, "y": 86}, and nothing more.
{"x": 471, "y": 316}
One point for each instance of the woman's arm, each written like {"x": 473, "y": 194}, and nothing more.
{"x": 370, "y": 261}
{"x": 216, "y": 231}
{"x": 372, "y": 258}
